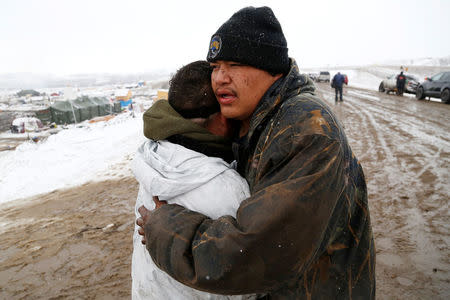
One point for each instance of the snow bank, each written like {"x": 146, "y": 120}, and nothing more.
{"x": 85, "y": 152}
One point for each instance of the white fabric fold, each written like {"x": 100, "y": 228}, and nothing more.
{"x": 208, "y": 185}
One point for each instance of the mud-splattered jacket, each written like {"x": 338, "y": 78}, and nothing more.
{"x": 304, "y": 233}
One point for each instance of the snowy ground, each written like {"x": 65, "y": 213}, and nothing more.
{"x": 83, "y": 153}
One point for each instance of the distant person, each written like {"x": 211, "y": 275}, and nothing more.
{"x": 131, "y": 108}
{"x": 183, "y": 162}
{"x": 337, "y": 83}
{"x": 401, "y": 80}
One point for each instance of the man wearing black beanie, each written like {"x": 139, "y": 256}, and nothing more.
{"x": 305, "y": 232}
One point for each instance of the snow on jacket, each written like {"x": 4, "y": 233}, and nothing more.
{"x": 304, "y": 233}
{"x": 178, "y": 175}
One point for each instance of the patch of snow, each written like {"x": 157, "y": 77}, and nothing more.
{"x": 85, "y": 152}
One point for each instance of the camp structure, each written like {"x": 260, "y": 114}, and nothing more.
{"x": 161, "y": 94}
{"x": 123, "y": 96}
{"x": 103, "y": 105}
{"x": 26, "y": 124}
{"x": 61, "y": 112}
{"x": 74, "y": 111}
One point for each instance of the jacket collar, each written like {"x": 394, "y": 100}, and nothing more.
{"x": 287, "y": 86}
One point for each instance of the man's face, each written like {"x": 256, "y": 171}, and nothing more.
{"x": 239, "y": 88}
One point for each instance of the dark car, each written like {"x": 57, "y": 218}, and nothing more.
{"x": 437, "y": 86}
{"x": 390, "y": 84}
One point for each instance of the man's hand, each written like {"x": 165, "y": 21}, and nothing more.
{"x": 158, "y": 203}
{"x": 145, "y": 214}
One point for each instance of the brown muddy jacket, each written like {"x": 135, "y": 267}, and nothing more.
{"x": 304, "y": 233}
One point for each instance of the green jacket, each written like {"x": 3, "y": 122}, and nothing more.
{"x": 304, "y": 233}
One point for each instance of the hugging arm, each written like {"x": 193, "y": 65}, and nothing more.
{"x": 278, "y": 232}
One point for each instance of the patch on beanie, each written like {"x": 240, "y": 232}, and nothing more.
{"x": 214, "y": 47}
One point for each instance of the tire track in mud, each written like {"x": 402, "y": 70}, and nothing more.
{"x": 73, "y": 243}
{"x": 414, "y": 125}
{"x": 413, "y": 112}
{"x": 418, "y": 157}
{"x": 403, "y": 146}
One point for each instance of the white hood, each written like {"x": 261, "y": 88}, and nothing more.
{"x": 204, "y": 184}
{"x": 182, "y": 176}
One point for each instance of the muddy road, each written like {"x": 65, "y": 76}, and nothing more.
{"x": 404, "y": 147}
{"x": 77, "y": 243}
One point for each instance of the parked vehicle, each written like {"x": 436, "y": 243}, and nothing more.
{"x": 313, "y": 76}
{"x": 437, "y": 86}
{"x": 26, "y": 124}
{"x": 390, "y": 84}
{"x": 323, "y": 76}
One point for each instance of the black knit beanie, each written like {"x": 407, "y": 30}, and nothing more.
{"x": 252, "y": 36}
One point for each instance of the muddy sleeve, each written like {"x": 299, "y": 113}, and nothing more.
{"x": 278, "y": 232}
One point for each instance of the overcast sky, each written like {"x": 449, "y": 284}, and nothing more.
{"x": 87, "y": 36}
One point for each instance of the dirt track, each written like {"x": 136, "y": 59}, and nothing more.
{"x": 404, "y": 147}
{"x": 61, "y": 245}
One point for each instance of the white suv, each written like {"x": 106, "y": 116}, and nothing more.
{"x": 323, "y": 76}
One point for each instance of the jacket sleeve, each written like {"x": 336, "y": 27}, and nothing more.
{"x": 278, "y": 232}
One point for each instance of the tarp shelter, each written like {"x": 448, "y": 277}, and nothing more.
{"x": 44, "y": 115}
{"x": 123, "y": 94}
{"x": 78, "y": 110}
{"x": 125, "y": 103}
{"x": 162, "y": 94}
{"x": 103, "y": 105}
{"x": 64, "y": 112}
{"x": 87, "y": 108}
{"x": 117, "y": 107}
